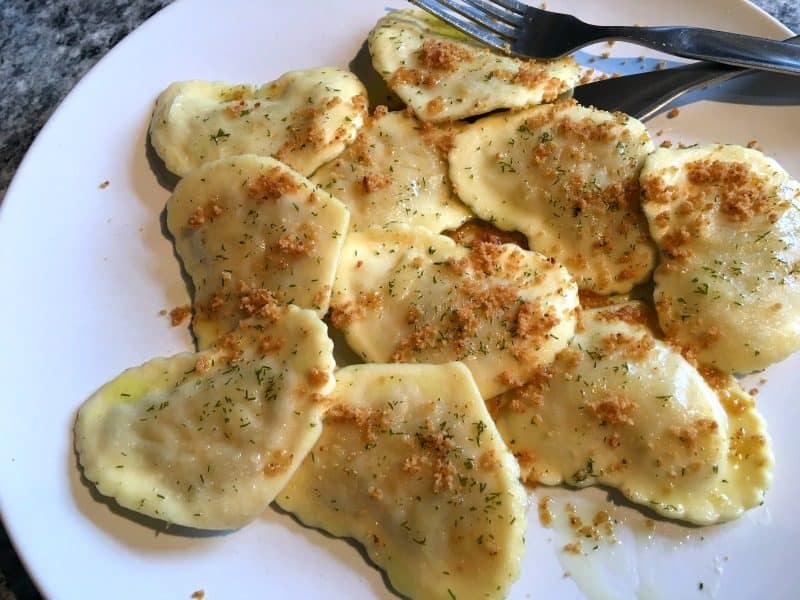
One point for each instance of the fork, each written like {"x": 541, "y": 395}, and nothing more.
{"x": 644, "y": 94}
{"x": 511, "y": 26}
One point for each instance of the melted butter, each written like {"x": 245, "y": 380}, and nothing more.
{"x": 641, "y": 558}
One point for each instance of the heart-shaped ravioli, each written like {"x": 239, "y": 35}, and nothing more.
{"x": 254, "y": 234}
{"x": 304, "y": 118}
{"x": 726, "y": 220}
{"x": 567, "y": 177}
{"x": 410, "y": 465}
{"x": 404, "y": 294}
{"x": 443, "y": 75}
{"x": 619, "y": 407}
{"x": 396, "y": 172}
{"x": 206, "y": 440}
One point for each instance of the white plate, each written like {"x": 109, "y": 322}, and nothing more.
{"x": 85, "y": 272}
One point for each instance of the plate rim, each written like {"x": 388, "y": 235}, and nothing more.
{"x": 25, "y": 554}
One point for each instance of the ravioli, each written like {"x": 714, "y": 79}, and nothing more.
{"x": 206, "y": 440}
{"x": 567, "y": 177}
{"x": 443, "y": 75}
{"x": 726, "y": 220}
{"x": 252, "y": 233}
{"x": 404, "y": 294}
{"x": 396, "y": 172}
{"x": 304, "y": 118}
{"x": 621, "y": 408}
{"x": 410, "y": 465}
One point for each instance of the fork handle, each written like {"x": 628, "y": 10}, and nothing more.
{"x": 707, "y": 44}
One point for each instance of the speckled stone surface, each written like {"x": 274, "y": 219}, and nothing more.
{"x": 45, "y": 47}
{"x": 786, "y": 11}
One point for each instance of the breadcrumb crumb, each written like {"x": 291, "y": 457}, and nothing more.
{"x": 178, "y": 315}
{"x": 754, "y": 145}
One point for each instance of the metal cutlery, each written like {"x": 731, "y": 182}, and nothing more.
{"x": 643, "y": 94}
{"x": 516, "y": 28}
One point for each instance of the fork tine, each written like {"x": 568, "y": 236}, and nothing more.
{"x": 432, "y": 6}
{"x": 497, "y": 11}
{"x": 513, "y": 5}
{"x": 472, "y": 13}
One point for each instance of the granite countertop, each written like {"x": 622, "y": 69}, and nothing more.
{"x": 45, "y": 48}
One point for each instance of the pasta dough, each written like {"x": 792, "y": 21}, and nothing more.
{"x": 404, "y": 294}
{"x": 410, "y": 465}
{"x": 396, "y": 172}
{"x": 251, "y": 232}
{"x": 567, "y": 177}
{"x": 443, "y": 75}
{"x": 206, "y": 440}
{"x": 621, "y": 408}
{"x": 726, "y": 220}
{"x": 304, "y": 118}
